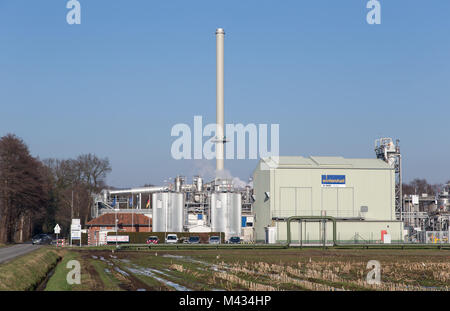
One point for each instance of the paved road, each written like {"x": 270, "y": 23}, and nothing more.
{"x": 10, "y": 252}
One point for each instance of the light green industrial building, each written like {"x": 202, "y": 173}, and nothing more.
{"x": 359, "y": 193}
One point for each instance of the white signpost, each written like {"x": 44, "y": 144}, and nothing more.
{"x": 75, "y": 231}
{"x": 57, "y": 230}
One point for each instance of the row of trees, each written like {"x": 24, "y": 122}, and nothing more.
{"x": 420, "y": 186}
{"x": 74, "y": 181}
{"x": 35, "y": 194}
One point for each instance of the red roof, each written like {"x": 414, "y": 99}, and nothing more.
{"x": 124, "y": 219}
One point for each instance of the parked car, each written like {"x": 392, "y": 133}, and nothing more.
{"x": 183, "y": 240}
{"x": 152, "y": 240}
{"x": 214, "y": 239}
{"x": 42, "y": 239}
{"x": 234, "y": 240}
{"x": 171, "y": 239}
{"x": 194, "y": 240}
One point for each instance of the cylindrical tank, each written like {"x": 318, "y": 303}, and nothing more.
{"x": 226, "y": 213}
{"x": 443, "y": 201}
{"x": 197, "y": 198}
{"x": 443, "y": 204}
{"x": 105, "y": 195}
{"x": 168, "y": 211}
{"x": 247, "y": 193}
{"x": 199, "y": 184}
{"x": 178, "y": 183}
{"x": 271, "y": 235}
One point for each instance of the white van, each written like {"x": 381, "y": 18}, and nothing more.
{"x": 171, "y": 239}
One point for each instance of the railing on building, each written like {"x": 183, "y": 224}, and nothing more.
{"x": 332, "y": 213}
{"x": 125, "y": 210}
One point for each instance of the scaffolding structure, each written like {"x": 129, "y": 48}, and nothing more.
{"x": 386, "y": 150}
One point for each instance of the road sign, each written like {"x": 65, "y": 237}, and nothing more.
{"x": 75, "y": 230}
{"x": 76, "y": 234}
{"x": 57, "y": 229}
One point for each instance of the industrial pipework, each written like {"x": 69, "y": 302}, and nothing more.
{"x": 220, "y": 137}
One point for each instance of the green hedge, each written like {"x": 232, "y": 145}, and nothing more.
{"x": 141, "y": 237}
{"x": 84, "y": 239}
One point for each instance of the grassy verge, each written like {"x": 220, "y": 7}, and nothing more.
{"x": 28, "y": 271}
{"x": 89, "y": 277}
{"x": 58, "y": 280}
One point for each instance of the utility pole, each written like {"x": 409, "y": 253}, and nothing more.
{"x": 71, "y": 207}
{"x": 116, "y": 228}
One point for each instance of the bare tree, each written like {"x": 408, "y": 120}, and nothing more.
{"x": 420, "y": 186}
{"x": 93, "y": 170}
{"x": 75, "y": 180}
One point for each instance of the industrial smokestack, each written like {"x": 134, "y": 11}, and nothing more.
{"x": 220, "y": 136}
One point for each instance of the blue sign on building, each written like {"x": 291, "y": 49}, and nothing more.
{"x": 244, "y": 221}
{"x": 333, "y": 180}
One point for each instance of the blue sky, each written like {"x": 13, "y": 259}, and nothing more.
{"x": 116, "y": 84}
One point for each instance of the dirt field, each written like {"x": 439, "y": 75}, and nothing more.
{"x": 272, "y": 270}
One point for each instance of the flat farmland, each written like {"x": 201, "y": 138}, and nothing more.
{"x": 259, "y": 270}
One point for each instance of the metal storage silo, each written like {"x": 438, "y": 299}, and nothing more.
{"x": 443, "y": 201}
{"x": 167, "y": 209}
{"x": 235, "y": 215}
{"x": 218, "y": 212}
{"x": 176, "y": 214}
{"x": 226, "y": 213}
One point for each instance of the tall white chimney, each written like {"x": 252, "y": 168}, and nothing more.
{"x": 220, "y": 135}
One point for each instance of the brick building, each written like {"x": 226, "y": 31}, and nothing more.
{"x": 99, "y": 227}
